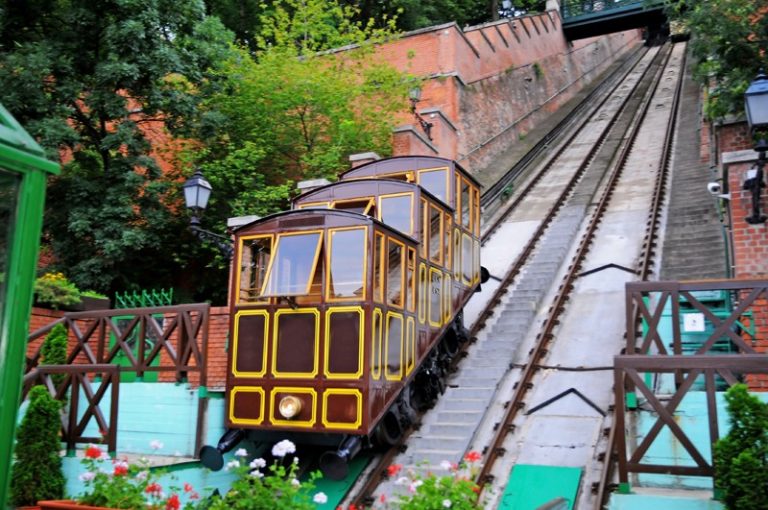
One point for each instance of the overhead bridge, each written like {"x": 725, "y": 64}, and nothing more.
{"x": 589, "y": 18}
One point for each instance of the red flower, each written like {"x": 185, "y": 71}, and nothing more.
{"x": 173, "y": 502}
{"x": 383, "y": 498}
{"x": 194, "y": 496}
{"x": 187, "y": 487}
{"x": 476, "y": 489}
{"x": 154, "y": 489}
{"x": 472, "y": 457}
{"x": 93, "y": 452}
{"x": 120, "y": 470}
{"x": 393, "y": 470}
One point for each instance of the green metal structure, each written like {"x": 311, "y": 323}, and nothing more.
{"x": 23, "y": 172}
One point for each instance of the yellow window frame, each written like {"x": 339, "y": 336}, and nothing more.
{"x": 310, "y": 205}
{"x": 379, "y": 210}
{"x": 399, "y": 375}
{"x": 236, "y": 338}
{"x": 328, "y": 253}
{"x": 275, "y": 336}
{"x": 314, "y": 259}
{"x": 240, "y": 245}
{"x": 447, "y": 170}
{"x": 371, "y": 203}
{"x": 424, "y": 228}
{"x": 457, "y": 254}
{"x": 360, "y": 349}
{"x": 378, "y": 239}
{"x": 422, "y": 293}
{"x": 342, "y": 425}
{"x": 411, "y": 297}
{"x": 293, "y": 390}
{"x": 465, "y": 236}
{"x": 476, "y": 260}
{"x": 447, "y": 297}
{"x": 376, "y": 343}
{"x": 470, "y": 214}
{"x": 246, "y": 389}
{"x": 410, "y": 345}
{"x": 441, "y": 242}
{"x": 432, "y": 271}
{"x": 403, "y": 267}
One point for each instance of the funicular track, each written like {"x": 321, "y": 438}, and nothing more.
{"x": 375, "y": 474}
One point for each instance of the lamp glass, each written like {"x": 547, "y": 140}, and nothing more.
{"x": 415, "y": 94}
{"x": 756, "y": 103}
{"x": 197, "y": 191}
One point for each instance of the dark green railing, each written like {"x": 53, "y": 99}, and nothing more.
{"x": 577, "y": 8}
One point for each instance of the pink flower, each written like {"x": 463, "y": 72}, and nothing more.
{"x": 187, "y": 487}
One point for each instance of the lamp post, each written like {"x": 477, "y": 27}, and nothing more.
{"x": 415, "y": 96}
{"x": 756, "y": 106}
{"x": 197, "y": 191}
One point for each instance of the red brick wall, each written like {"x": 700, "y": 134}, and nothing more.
{"x": 750, "y": 242}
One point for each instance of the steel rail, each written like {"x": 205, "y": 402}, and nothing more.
{"x": 573, "y": 117}
{"x": 550, "y": 162}
{"x": 495, "y": 449}
{"x": 522, "y": 259}
{"x": 606, "y": 474}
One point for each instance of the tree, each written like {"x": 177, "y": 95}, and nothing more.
{"x": 103, "y": 84}
{"x": 741, "y": 457}
{"x": 54, "y": 351}
{"x": 37, "y": 473}
{"x": 729, "y": 41}
{"x": 296, "y": 109}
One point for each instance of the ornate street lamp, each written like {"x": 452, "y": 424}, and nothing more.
{"x": 756, "y": 106}
{"x": 197, "y": 191}
{"x": 415, "y": 96}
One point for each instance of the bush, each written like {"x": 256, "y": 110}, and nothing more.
{"x": 37, "y": 473}
{"x": 55, "y": 290}
{"x": 54, "y": 350}
{"x": 741, "y": 457}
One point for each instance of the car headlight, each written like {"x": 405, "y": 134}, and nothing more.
{"x": 289, "y": 407}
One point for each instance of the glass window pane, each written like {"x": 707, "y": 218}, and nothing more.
{"x": 435, "y": 234}
{"x": 436, "y": 182}
{"x": 411, "y": 280}
{"x": 378, "y": 271}
{"x": 395, "y": 274}
{"x": 346, "y": 270}
{"x": 397, "y": 212}
{"x": 254, "y": 260}
{"x": 9, "y": 190}
{"x": 362, "y": 206}
{"x": 466, "y": 259}
{"x": 465, "y": 203}
{"x": 293, "y": 264}
{"x": 436, "y": 297}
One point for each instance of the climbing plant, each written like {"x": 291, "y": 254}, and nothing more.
{"x": 741, "y": 457}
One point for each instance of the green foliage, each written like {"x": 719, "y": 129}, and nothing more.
{"x": 56, "y": 290}
{"x": 90, "y": 79}
{"x": 413, "y": 14}
{"x": 54, "y": 350}
{"x": 537, "y": 70}
{"x": 295, "y": 109}
{"x": 275, "y": 488}
{"x": 728, "y": 40}
{"x": 37, "y": 473}
{"x": 741, "y": 457}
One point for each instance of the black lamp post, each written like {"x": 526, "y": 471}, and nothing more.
{"x": 756, "y": 106}
{"x": 197, "y": 191}
{"x": 415, "y": 96}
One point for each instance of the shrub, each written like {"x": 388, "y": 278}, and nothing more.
{"x": 55, "y": 290}
{"x": 54, "y": 350}
{"x": 741, "y": 457}
{"x": 37, "y": 473}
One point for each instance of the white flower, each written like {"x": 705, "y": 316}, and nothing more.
{"x": 446, "y": 464}
{"x": 447, "y": 503}
{"x": 403, "y": 480}
{"x": 320, "y": 498}
{"x": 241, "y": 452}
{"x": 87, "y": 476}
{"x": 415, "y": 485}
{"x": 295, "y": 482}
{"x": 295, "y": 460}
{"x": 257, "y": 474}
{"x": 232, "y": 464}
{"x": 155, "y": 444}
{"x": 258, "y": 463}
{"x": 283, "y": 448}
{"x": 105, "y": 456}
{"x": 142, "y": 475}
